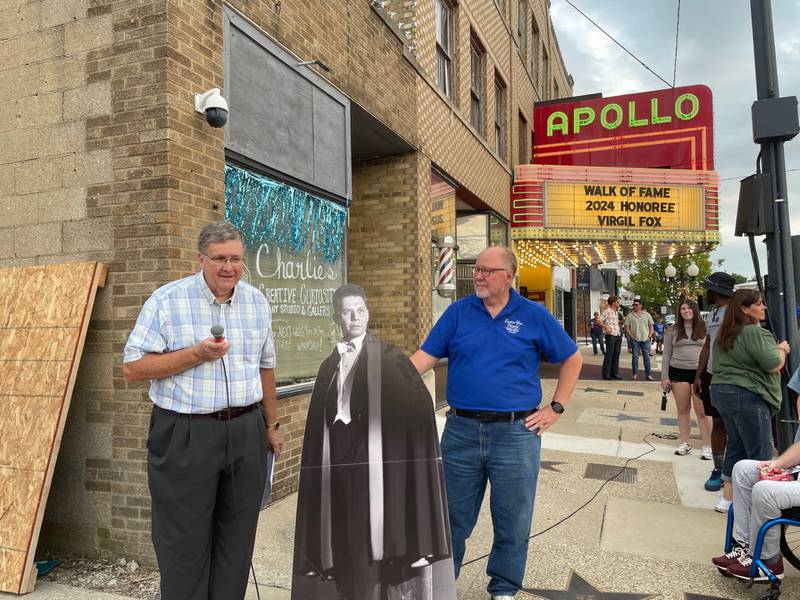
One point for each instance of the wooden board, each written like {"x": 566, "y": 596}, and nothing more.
{"x": 44, "y": 315}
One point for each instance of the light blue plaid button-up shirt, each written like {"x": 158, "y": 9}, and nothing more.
{"x": 179, "y": 315}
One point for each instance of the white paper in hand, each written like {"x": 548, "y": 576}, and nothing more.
{"x": 270, "y": 466}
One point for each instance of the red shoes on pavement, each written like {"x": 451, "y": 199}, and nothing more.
{"x": 738, "y": 563}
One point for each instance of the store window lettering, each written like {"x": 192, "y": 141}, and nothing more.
{"x": 293, "y": 269}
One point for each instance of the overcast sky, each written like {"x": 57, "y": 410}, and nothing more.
{"x": 715, "y": 48}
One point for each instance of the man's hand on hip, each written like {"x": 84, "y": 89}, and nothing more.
{"x": 542, "y": 419}
{"x": 275, "y": 441}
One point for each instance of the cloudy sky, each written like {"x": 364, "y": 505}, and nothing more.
{"x": 715, "y": 48}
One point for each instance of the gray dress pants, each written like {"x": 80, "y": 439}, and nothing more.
{"x": 206, "y": 480}
{"x": 756, "y": 502}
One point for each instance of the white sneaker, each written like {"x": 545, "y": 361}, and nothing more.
{"x": 707, "y": 453}
{"x": 723, "y": 505}
{"x": 503, "y": 597}
{"x": 683, "y": 449}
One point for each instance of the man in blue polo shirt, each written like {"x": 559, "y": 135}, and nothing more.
{"x": 493, "y": 341}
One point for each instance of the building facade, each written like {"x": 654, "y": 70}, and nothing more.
{"x": 392, "y": 123}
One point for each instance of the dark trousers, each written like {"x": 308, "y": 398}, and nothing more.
{"x": 206, "y": 480}
{"x": 597, "y": 338}
{"x": 611, "y": 358}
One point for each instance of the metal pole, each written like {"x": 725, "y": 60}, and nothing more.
{"x": 781, "y": 299}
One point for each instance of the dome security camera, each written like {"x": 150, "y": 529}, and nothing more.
{"x": 213, "y": 105}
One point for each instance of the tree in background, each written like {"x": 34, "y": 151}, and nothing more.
{"x": 651, "y": 285}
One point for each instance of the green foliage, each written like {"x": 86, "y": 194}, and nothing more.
{"x": 649, "y": 282}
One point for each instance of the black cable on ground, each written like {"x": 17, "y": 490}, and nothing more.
{"x": 600, "y": 489}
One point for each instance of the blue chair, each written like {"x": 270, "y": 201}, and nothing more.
{"x": 789, "y": 522}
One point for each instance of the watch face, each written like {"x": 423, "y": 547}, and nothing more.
{"x": 557, "y": 407}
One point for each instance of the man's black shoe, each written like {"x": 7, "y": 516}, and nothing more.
{"x": 617, "y": 377}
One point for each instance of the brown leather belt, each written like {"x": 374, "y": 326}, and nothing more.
{"x": 226, "y": 414}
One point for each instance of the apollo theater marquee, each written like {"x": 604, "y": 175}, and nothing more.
{"x": 619, "y": 178}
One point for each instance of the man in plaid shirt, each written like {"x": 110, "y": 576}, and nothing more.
{"x": 214, "y": 418}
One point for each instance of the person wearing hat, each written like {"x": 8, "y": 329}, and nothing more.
{"x": 719, "y": 287}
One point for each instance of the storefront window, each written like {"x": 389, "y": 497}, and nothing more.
{"x": 498, "y": 231}
{"x": 293, "y": 243}
{"x": 471, "y": 238}
{"x": 443, "y": 223}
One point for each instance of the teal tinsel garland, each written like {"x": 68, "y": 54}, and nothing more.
{"x": 266, "y": 210}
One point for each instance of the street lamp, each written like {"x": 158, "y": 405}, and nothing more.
{"x": 670, "y": 272}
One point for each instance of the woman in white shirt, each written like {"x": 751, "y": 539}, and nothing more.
{"x": 682, "y": 345}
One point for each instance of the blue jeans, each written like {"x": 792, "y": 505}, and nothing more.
{"x": 507, "y": 456}
{"x": 644, "y": 348}
{"x": 597, "y": 338}
{"x": 748, "y": 423}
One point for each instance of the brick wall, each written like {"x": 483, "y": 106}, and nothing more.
{"x": 390, "y": 246}
{"x": 51, "y": 96}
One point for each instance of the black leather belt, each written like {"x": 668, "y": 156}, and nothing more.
{"x": 226, "y": 414}
{"x": 487, "y": 415}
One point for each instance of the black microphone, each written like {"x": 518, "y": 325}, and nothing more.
{"x": 218, "y": 333}
{"x": 664, "y": 400}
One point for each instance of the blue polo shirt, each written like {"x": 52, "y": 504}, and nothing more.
{"x": 493, "y": 363}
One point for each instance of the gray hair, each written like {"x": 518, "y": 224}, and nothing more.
{"x": 510, "y": 257}
{"x": 216, "y": 233}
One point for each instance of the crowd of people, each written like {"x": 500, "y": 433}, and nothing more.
{"x": 726, "y": 367}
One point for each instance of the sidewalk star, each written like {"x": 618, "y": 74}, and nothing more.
{"x": 579, "y": 588}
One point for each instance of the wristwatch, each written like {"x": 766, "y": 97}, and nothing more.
{"x": 557, "y": 407}
{"x": 276, "y": 425}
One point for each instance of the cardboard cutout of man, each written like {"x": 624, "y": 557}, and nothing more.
{"x": 372, "y": 518}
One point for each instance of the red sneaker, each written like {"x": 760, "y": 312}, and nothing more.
{"x": 731, "y": 558}
{"x": 742, "y": 570}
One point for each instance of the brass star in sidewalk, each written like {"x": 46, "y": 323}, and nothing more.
{"x": 624, "y": 417}
{"x": 579, "y": 589}
{"x": 549, "y": 465}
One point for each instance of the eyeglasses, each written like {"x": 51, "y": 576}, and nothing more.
{"x": 221, "y": 261}
{"x": 485, "y": 271}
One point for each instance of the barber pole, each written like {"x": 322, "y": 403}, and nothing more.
{"x": 447, "y": 266}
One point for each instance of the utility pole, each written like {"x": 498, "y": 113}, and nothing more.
{"x": 781, "y": 300}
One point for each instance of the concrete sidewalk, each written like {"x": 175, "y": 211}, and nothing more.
{"x": 652, "y": 536}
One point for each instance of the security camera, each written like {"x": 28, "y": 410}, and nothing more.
{"x": 213, "y": 105}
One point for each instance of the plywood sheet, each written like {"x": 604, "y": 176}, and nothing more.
{"x": 25, "y": 444}
{"x": 43, "y": 326}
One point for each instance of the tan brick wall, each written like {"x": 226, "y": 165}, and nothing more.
{"x": 51, "y": 98}
{"x": 445, "y": 135}
{"x": 390, "y": 246}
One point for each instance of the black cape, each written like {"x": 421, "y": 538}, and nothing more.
{"x": 415, "y": 520}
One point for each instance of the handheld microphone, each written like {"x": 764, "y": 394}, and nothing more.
{"x": 664, "y": 400}
{"x": 218, "y": 333}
